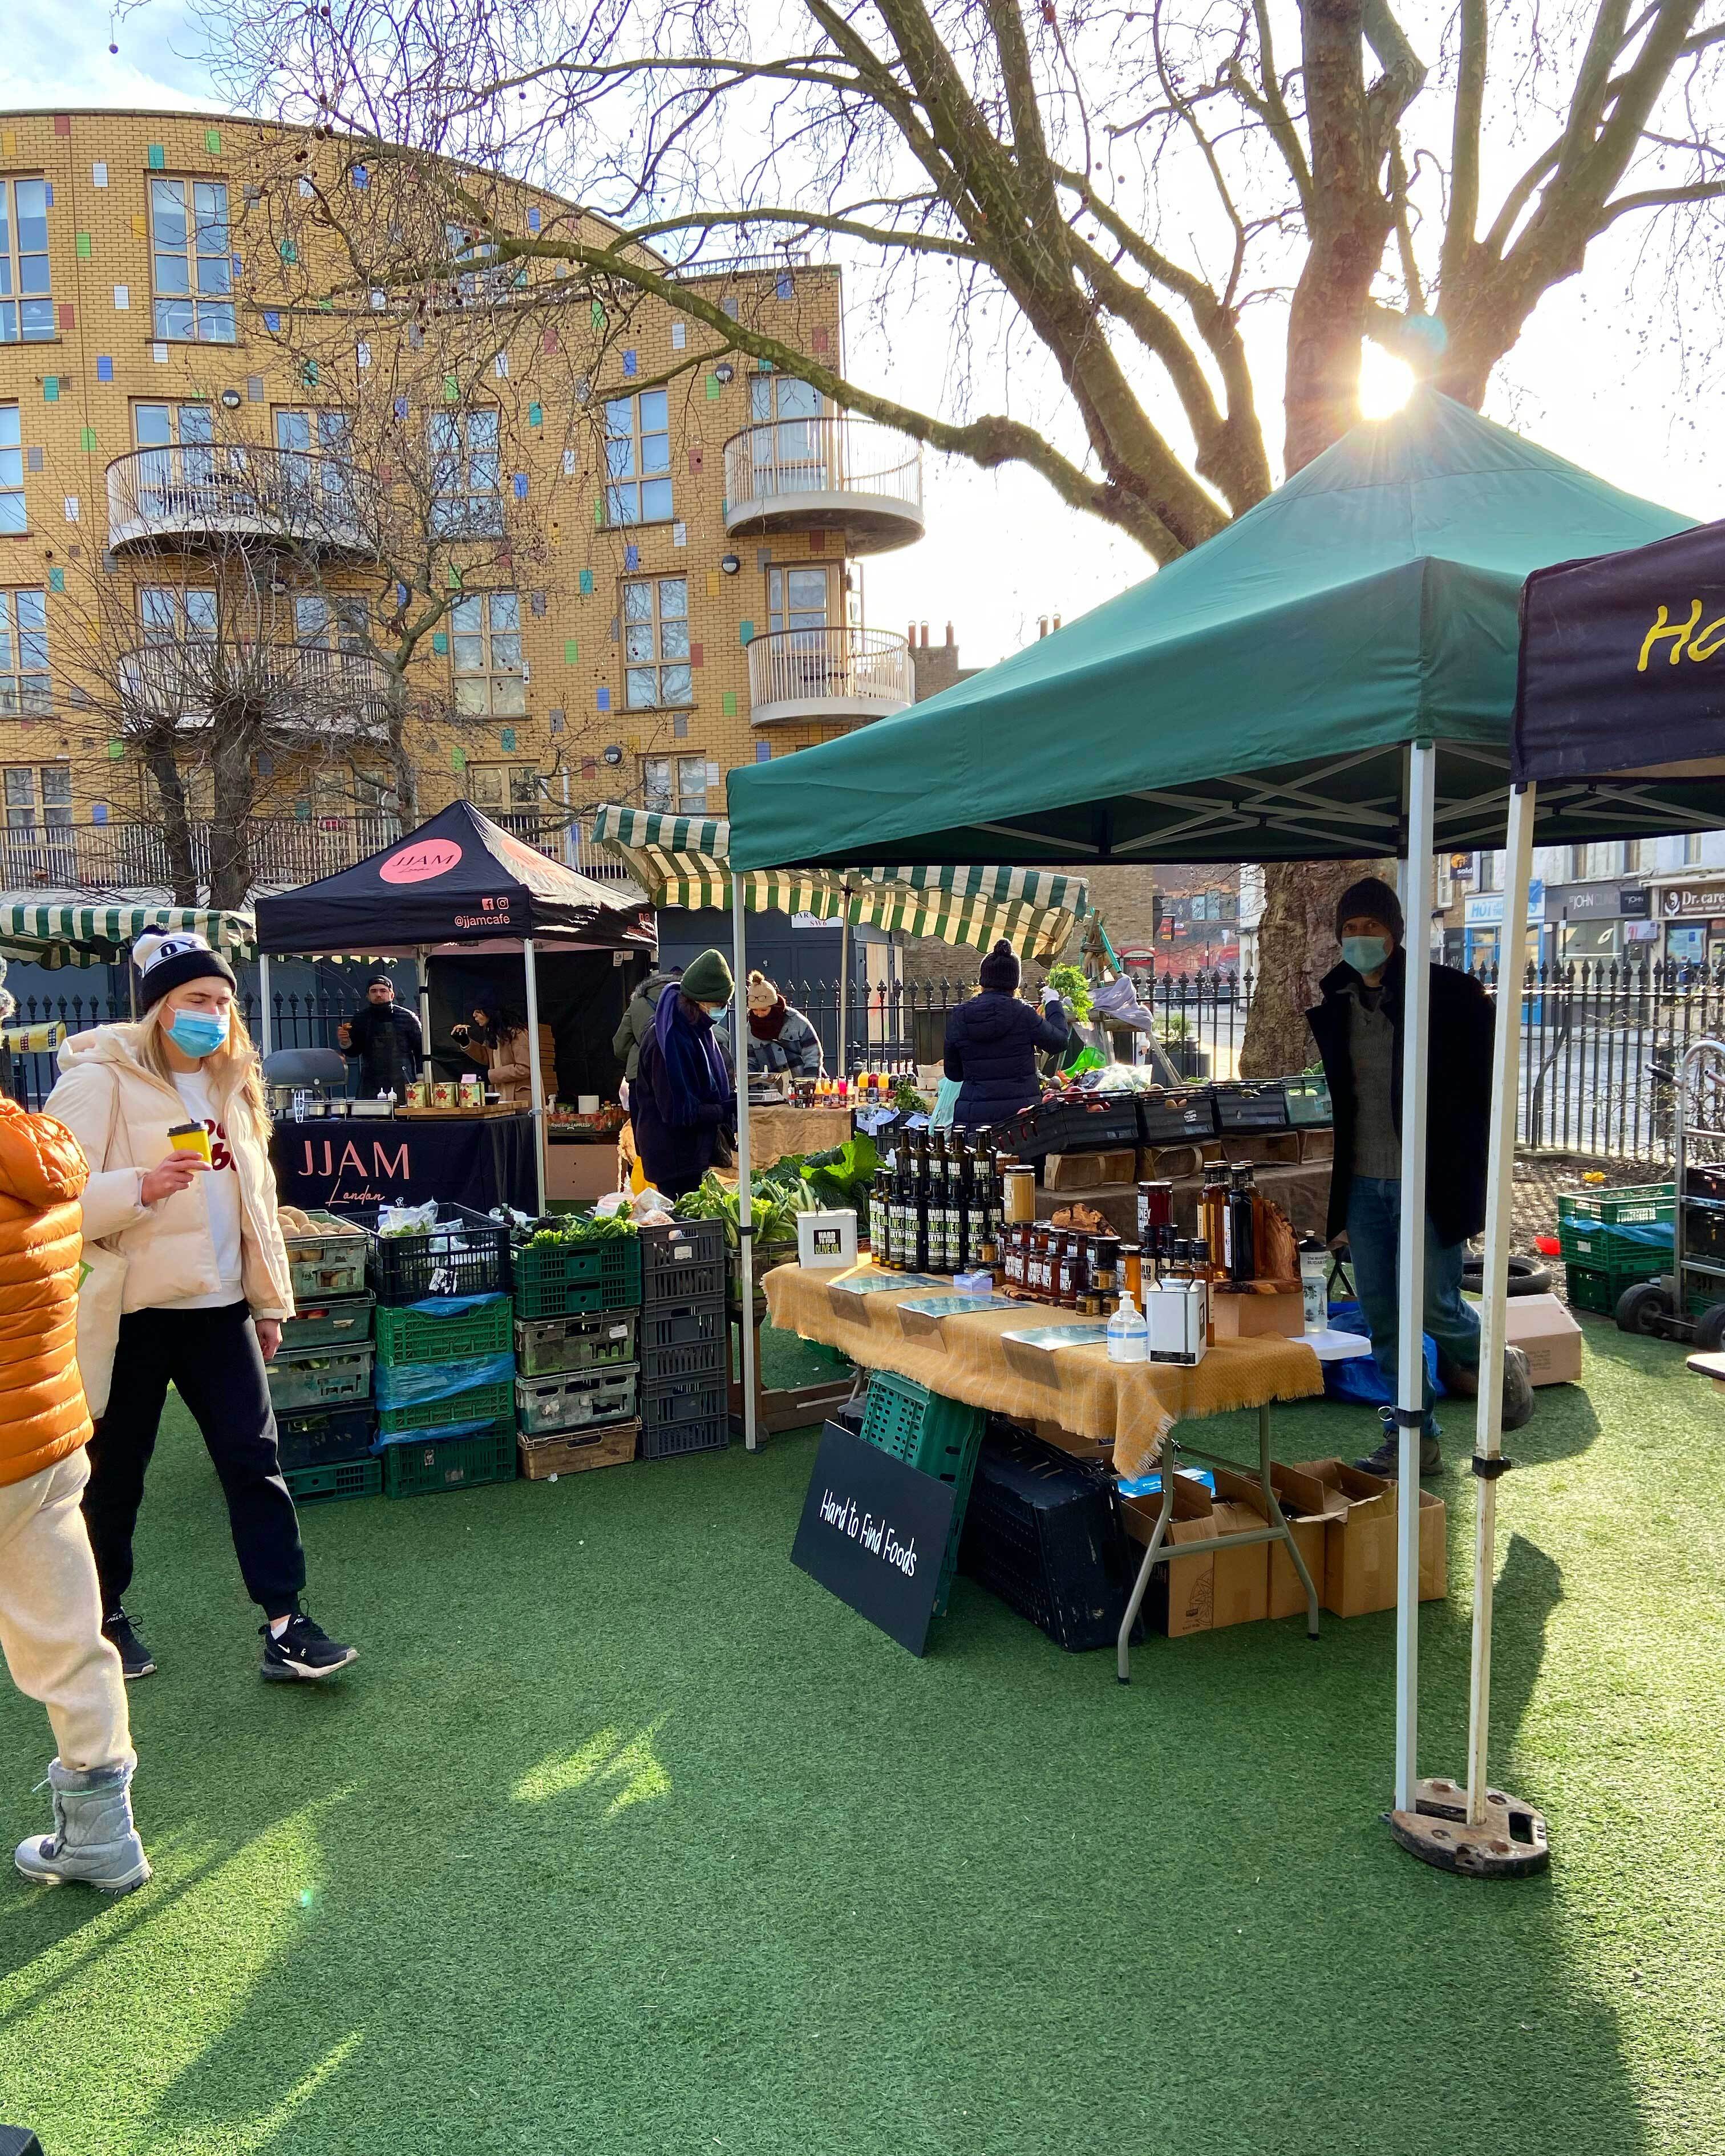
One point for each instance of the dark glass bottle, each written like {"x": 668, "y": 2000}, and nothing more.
{"x": 1242, "y": 1253}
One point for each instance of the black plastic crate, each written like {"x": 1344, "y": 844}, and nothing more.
{"x": 679, "y": 1262}
{"x": 321, "y": 1439}
{"x": 692, "y": 1358}
{"x": 684, "y": 1414}
{"x": 1704, "y": 1227}
{"x": 464, "y": 1254}
{"x": 1042, "y": 1530}
{"x": 1701, "y": 1179}
{"x": 1245, "y": 1104}
{"x": 1177, "y": 1115}
{"x": 1082, "y": 1122}
{"x": 333, "y": 1480}
{"x": 682, "y": 1324}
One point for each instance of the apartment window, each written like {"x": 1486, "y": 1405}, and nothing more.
{"x": 501, "y": 790}
{"x": 487, "y": 642}
{"x": 177, "y": 613}
{"x": 465, "y": 469}
{"x": 674, "y": 785}
{"x": 39, "y": 795}
{"x": 12, "y": 469}
{"x": 1692, "y": 839}
{"x": 317, "y": 451}
{"x": 638, "y": 458}
{"x": 341, "y": 623}
{"x": 26, "y": 304}
{"x": 23, "y": 654}
{"x": 194, "y": 270}
{"x": 655, "y": 644}
{"x": 1488, "y": 871}
{"x": 797, "y": 599}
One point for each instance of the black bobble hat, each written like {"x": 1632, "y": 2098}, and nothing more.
{"x": 1000, "y": 968}
{"x": 169, "y": 962}
{"x": 1371, "y": 895}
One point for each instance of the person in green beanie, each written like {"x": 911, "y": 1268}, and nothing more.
{"x": 683, "y": 1100}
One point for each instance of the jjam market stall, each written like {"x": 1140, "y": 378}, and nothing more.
{"x": 1331, "y": 676}
{"x": 458, "y": 886}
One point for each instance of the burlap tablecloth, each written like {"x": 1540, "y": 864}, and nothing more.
{"x": 1130, "y": 1405}
{"x": 776, "y": 1132}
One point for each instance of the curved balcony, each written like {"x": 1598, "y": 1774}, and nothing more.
{"x": 288, "y": 688}
{"x": 799, "y": 675}
{"x": 208, "y": 494}
{"x": 833, "y": 474}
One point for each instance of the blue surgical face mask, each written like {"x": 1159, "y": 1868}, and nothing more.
{"x": 1366, "y": 954}
{"x": 716, "y": 1010}
{"x": 196, "y": 1033}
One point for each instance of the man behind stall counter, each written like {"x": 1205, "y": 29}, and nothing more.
{"x": 384, "y": 1039}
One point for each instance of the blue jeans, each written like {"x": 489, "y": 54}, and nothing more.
{"x": 1374, "y": 1218}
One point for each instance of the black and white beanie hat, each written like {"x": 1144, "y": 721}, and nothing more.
{"x": 165, "y": 962}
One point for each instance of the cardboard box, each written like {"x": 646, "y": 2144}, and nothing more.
{"x": 1241, "y": 1592}
{"x": 1248, "y": 1317}
{"x": 1307, "y": 1506}
{"x": 1359, "y": 1540}
{"x": 1182, "y": 1596}
{"x": 1546, "y": 1334}
{"x": 1089, "y": 1170}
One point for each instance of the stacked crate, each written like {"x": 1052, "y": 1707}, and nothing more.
{"x": 576, "y": 1331}
{"x": 321, "y": 1379}
{"x": 445, "y": 1357}
{"x": 685, "y": 1339}
{"x": 1610, "y": 1239}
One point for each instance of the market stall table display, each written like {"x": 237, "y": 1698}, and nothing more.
{"x": 1124, "y": 1410}
{"x": 457, "y": 885}
{"x": 1332, "y": 676}
{"x": 777, "y": 1133}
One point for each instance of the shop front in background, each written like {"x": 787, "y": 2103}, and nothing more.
{"x": 1689, "y": 918}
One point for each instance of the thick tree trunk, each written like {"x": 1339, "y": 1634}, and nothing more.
{"x": 234, "y": 773}
{"x": 404, "y": 768}
{"x": 1296, "y": 947}
{"x": 176, "y": 820}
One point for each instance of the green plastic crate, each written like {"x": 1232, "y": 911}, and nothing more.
{"x": 451, "y": 1463}
{"x": 478, "y": 1403}
{"x": 544, "y": 1346}
{"x": 1599, "y": 1288}
{"x": 406, "y": 1335}
{"x": 1638, "y": 1203}
{"x": 338, "y": 1478}
{"x": 1633, "y": 1247}
{"x": 937, "y": 1436}
{"x": 570, "y": 1280}
{"x": 330, "y": 1325}
{"x": 1308, "y": 1103}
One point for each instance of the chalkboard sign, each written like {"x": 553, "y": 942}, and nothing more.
{"x": 874, "y": 1533}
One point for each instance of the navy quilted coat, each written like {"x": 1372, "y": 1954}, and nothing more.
{"x": 991, "y": 1050}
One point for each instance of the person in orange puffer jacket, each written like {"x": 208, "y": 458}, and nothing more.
{"x": 50, "y": 1604}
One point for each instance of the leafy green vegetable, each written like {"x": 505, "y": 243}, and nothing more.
{"x": 1073, "y": 988}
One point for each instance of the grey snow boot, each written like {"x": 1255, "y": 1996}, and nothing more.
{"x": 94, "y": 1839}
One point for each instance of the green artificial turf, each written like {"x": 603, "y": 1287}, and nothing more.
{"x": 624, "y": 1836}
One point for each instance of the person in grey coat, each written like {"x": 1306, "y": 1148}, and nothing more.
{"x": 782, "y": 1041}
{"x": 637, "y": 1021}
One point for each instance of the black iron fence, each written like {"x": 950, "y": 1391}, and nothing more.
{"x": 1595, "y": 1038}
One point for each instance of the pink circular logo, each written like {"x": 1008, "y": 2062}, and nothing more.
{"x": 419, "y": 863}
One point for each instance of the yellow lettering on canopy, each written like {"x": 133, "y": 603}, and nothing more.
{"x": 1680, "y": 632}
{"x": 1700, "y": 648}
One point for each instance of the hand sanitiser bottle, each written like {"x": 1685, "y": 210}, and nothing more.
{"x": 1128, "y": 1335}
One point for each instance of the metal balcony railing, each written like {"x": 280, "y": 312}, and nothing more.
{"x": 291, "y": 686}
{"x": 829, "y": 673}
{"x": 207, "y": 491}
{"x": 833, "y": 471}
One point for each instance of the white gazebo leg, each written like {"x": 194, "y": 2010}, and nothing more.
{"x": 1410, "y": 1269}
{"x": 266, "y": 1038}
{"x": 425, "y": 1021}
{"x": 534, "y": 1072}
{"x": 745, "y": 1190}
{"x": 1477, "y": 1829}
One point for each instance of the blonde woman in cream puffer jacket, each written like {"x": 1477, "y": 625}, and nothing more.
{"x": 188, "y": 1283}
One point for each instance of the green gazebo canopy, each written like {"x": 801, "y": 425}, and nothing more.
{"x": 1254, "y": 701}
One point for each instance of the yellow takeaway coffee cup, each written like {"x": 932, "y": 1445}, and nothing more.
{"x": 191, "y": 1137}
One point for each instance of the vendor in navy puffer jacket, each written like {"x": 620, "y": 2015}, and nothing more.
{"x": 992, "y": 1043}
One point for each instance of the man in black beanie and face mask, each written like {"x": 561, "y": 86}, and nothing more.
{"x": 1358, "y": 1029}
{"x": 384, "y": 1039}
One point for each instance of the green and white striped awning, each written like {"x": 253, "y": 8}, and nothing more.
{"x": 683, "y": 860}
{"x": 74, "y": 934}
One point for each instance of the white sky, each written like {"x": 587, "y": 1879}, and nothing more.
{"x": 1590, "y": 379}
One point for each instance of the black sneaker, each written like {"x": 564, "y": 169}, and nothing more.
{"x": 135, "y": 1660}
{"x": 303, "y": 1649}
{"x": 1387, "y": 1460}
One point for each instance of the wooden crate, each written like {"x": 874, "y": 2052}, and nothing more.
{"x": 612, "y": 1445}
